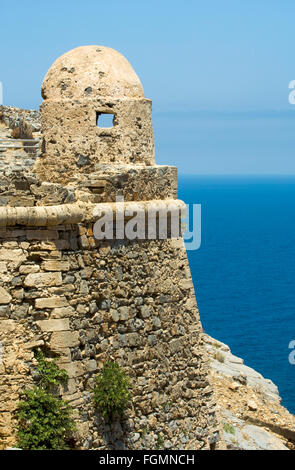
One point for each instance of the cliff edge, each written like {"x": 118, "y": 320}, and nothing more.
{"x": 251, "y": 414}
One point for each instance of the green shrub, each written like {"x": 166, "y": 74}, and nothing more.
{"x": 112, "y": 391}
{"x": 48, "y": 374}
{"x": 44, "y": 420}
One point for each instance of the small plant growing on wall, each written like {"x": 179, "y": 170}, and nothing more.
{"x": 48, "y": 375}
{"x": 44, "y": 420}
{"x": 112, "y": 393}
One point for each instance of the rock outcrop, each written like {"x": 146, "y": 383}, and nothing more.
{"x": 251, "y": 414}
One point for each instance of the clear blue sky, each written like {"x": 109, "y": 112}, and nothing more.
{"x": 215, "y": 55}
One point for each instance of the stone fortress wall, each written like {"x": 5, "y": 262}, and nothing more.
{"x": 89, "y": 301}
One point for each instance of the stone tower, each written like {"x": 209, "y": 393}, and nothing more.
{"x": 79, "y": 88}
{"x": 88, "y": 300}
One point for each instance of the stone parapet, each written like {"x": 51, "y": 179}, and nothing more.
{"x": 132, "y": 182}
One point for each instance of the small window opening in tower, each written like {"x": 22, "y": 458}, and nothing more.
{"x": 105, "y": 120}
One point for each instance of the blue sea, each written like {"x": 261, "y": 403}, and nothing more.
{"x": 244, "y": 271}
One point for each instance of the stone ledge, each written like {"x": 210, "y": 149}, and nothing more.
{"x": 95, "y": 211}
{"x": 41, "y": 215}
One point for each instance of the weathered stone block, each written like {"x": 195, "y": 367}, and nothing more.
{"x": 74, "y": 369}
{"x": 124, "y": 313}
{"x": 145, "y": 311}
{"x": 54, "y": 325}
{"x": 28, "y": 269}
{"x": 91, "y": 365}
{"x": 62, "y": 312}
{"x": 176, "y": 345}
{"x": 43, "y": 279}
{"x": 55, "y": 265}
{"x": 51, "y": 302}
{"x": 64, "y": 339}
{"x": 130, "y": 339}
{"x": 12, "y": 255}
{"x": 7, "y": 326}
{"x": 33, "y": 344}
{"x": 115, "y": 315}
{"x": 56, "y": 245}
{"x": 84, "y": 287}
{"x": 5, "y": 297}
{"x": 152, "y": 340}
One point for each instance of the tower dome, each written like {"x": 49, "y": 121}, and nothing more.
{"x": 91, "y": 72}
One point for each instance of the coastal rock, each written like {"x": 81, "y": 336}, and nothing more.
{"x": 250, "y": 410}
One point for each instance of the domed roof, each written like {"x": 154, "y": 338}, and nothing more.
{"x": 91, "y": 72}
